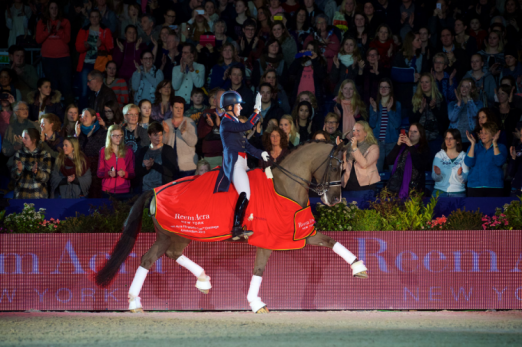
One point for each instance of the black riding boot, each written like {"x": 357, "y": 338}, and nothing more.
{"x": 239, "y": 215}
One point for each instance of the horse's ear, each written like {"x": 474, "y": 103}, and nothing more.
{"x": 341, "y": 147}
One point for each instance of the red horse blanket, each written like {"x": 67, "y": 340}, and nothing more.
{"x": 188, "y": 207}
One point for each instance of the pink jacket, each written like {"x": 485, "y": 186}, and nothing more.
{"x": 116, "y": 185}
{"x": 365, "y": 166}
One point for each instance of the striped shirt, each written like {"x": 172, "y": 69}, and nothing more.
{"x": 384, "y": 123}
{"x": 119, "y": 86}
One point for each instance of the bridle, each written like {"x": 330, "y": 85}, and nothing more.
{"x": 325, "y": 184}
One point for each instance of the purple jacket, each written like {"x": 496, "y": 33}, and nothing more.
{"x": 125, "y": 60}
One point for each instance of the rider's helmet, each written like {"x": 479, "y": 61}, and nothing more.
{"x": 229, "y": 98}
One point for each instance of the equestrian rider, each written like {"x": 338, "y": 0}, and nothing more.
{"x": 235, "y": 147}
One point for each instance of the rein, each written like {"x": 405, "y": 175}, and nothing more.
{"x": 318, "y": 188}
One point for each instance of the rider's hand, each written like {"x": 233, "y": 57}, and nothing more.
{"x": 265, "y": 156}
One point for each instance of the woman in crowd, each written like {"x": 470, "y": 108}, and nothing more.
{"x": 53, "y": 32}
{"x": 345, "y": 63}
{"x": 250, "y": 46}
{"x": 302, "y": 117}
{"x": 349, "y": 108}
{"x": 369, "y": 74}
{"x": 199, "y": 24}
{"x": 431, "y": 111}
{"x": 384, "y": 43}
{"x": 135, "y": 136}
{"x": 219, "y": 73}
{"x": 288, "y": 45}
{"x": 463, "y": 111}
{"x": 485, "y": 160}
{"x": 17, "y": 17}
{"x": 410, "y": 160}
{"x": 309, "y": 72}
{"x": 146, "y": 78}
{"x": 278, "y": 95}
{"x": 50, "y": 137}
{"x": 320, "y": 135}
{"x": 484, "y": 81}
{"x": 12, "y": 141}
{"x": 506, "y": 114}
{"x": 32, "y": 168}
{"x": 164, "y": 98}
{"x": 265, "y": 22}
{"x": 484, "y": 115}
{"x": 275, "y": 142}
{"x": 515, "y": 164}
{"x": 513, "y": 67}
{"x": 462, "y": 39}
{"x": 92, "y": 41}
{"x": 128, "y": 52}
{"x": 271, "y": 59}
{"x": 71, "y": 174}
{"x": 331, "y": 127}
{"x": 7, "y": 78}
{"x": 359, "y": 30}
{"x": 317, "y": 116}
{"x": 493, "y": 53}
{"x": 116, "y": 165}
{"x": 287, "y": 124}
{"x": 449, "y": 171}
{"x": 44, "y": 100}
{"x": 6, "y": 113}
{"x": 361, "y": 176}
{"x": 72, "y": 115}
{"x": 156, "y": 164}
{"x": 300, "y": 27}
{"x": 445, "y": 82}
{"x": 385, "y": 120}
{"x": 112, "y": 114}
{"x": 235, "y": 27}
{"x": 92, "y": 138}
{"x": 132, "y": 17}
{"x": 118, "y": 85}
{"x": 328, "y": 40}
{"x": 146, "y": 113}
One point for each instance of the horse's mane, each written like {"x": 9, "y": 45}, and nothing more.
{"x": 297, "y": 148}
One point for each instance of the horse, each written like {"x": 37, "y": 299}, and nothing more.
{"x": 292, "y": 179}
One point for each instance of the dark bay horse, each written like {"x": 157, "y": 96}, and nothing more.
{"x": 291, "y": 178}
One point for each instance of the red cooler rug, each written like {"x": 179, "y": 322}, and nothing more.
{"x": 188, "y": 207}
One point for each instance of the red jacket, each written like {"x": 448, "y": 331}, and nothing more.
{"x": 116, "y": 185}
{"x": 54, "y": 43}
{"x": 106, "y": 45}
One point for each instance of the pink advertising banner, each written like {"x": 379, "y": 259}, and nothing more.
{"x": 407, "y": 270}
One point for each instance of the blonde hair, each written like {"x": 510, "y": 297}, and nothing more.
{"x": 370, "y": 137}
{"x": 122, "y": 149}
{"x": 313, "y": 99}
{"x": 356, "y": 98}
{"x": 201, "y": 163}
{"x": 129, "y": 107}
{"x": 473, "y": 92}
{"x": 331, "y": 115}
{"x": 419, "y": 94}
{"x": 293, "y": 130}
{"x": 78, "y": 157}
{"x": 356, "y": 54}
{"x": 500, "y": 47}
{"x": 342, "y": 9}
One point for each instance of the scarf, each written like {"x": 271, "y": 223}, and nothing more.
{"x": 5, "y": 117}
{"x": 69, "y": 168}
{"x": 348, "y": 116}
{"x": 87, "y": 130}
{"x": 363, "y": 147}
{"x": 345, "y": 59}
{"x": 406, "y": 176}
{"x": 141, "y": 88}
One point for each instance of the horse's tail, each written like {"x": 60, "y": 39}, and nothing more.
{"x": 125, "y": 244}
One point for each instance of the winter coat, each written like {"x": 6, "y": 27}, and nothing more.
{"x": 52, "y": 105}
{"x": 394, "y": 122}
{"x": 486, "y": 85}
{"x": 30, "y": 185}
{"x": 83, "y": 35}
{"x": 117, "y": 184}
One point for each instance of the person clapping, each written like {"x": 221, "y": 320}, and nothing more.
{"x": 449, "y": 171}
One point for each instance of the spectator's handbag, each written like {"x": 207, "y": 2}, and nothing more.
{"x": 207, "y": 39}
{"x": 102, "y": 59}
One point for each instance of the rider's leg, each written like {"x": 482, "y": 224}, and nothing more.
{"x": 242, "y": 185}
{"x": 254, "y": 300}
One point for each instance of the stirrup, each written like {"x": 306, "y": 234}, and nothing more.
{"x": 243, "y": 234}
{"x": 359, "y": 270}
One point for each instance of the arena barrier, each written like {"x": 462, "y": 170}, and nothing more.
{"x": 407, "y": 269}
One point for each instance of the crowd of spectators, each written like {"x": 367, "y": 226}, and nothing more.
{"x": 126, "y": 94}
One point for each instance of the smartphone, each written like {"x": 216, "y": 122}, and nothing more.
{"x": 304, "y": 54}
{"x": 200, "y": 12}
{"x": 278, "y": 17}
{"x": 403, "y": 132}
{"x": 439, "y": 6}
{"x": 173, "y": 27}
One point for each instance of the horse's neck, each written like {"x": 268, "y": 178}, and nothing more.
{"x": 301, "y": 163}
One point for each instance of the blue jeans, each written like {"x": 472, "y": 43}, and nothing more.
{"x": 182, "y": 174}
{"x": 58, "y": 71}
{"x": 384, "y": 150}
{"x": 361, "y": 194}
{"x": 83, "y": 89}
{"x": 443, "y": 194}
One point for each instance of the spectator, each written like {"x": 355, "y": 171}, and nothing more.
{"x": 211, "y": 147}
{"x": 275, "y": 142}
{"x": 462, "y": 39}
{"x": 440, "y": 19}
{"x": 118, "y": 85}
{"x": 513, "y": 67}
{"x": 112, "y": 114}
{"x": 385, "y": 120}
{"x": 411, "y": 16}
{"x": 250, "y": 47}
{"x": 449, "y": 171}
{"x": 237, "y": 83}
{"x": 170, "y": 19}
{"x": 345, "y": 62}
{"x": 320, "y": 135}
{"x": 149, "y": 34}
{"x": 71, "y": 174}
{"x": 53, "y": 32}
{"x": 484, "y": 81}
{"x": 287, "y": 124}
{"x": 6, "y": 112}
{"x": 32, "y": 168}
{"x": 218, "y": 76}
{"x": 7, "y": 84}
{"x": 384, "y": 43}
{"x": 265, "y": 23}
{"x": 72, "y": 115}
{"x": 180, "y": 134}
{"x": 427, "y": 48}
{"x": 146, "y": 113}
{"x": 12, "y": 141}
{"x": 410, "y": 160}
{"x": 132, "y": 18}
{"x": 128, "y": 52}
{"x": 203, "y": 166}
{"x": 476, "y": 32}
{"x": 445, "y": 82}
{"x": 271, "y": 59}
{"x": 517, "y": 98}
{"x": 108, "y": 17}
{"x": 361, "y": 176}
{"x": 369, "y": 74}
{"x": 198, "y": 26}
{"x": 186, "y": 10}
{"x": 50, "y": 137}
{"x": 288, "y": 45}
{"x": 170, "y": 56}
{"x": 279, "y": 95}
{"x": 197, "y": 107}
{"x": 156, "y": 164}
{"x": 492, "y": 53}
{"x": 219, "y": 30}
{"x": 146, "y": 78}
{"x": 164, "y": 97}
{"x": 44, "y": 100}
{"x": 116, "y": 174}
{"x": 349, "y": 107}
{"x": 485, "y": 160}
{"x": 431, "y": 111}
{"x": 210, "y": 10}
{"x": 26, "y": 76}
{"x": 100, "y": 93}
{"x": 92, "y": 138}
{"x": 302, "y": 117}
{"x": 359, "y": 31}
{"x": 309, "y": 72}
{"x": 92, "y": 41}
{"x": 188, "y": 74}
{"x": 515, "y": 165}
{"x": 507, "y": 115}
{"x": 274, "y": 6}
{"x": 17, "y": 19}
{"x": 135, "y": 136}
{"x": 317, "y": 116}
{"x": 269, "y": 109}
{"x": 463, "y": 112}
{"x": 331, "y": 127}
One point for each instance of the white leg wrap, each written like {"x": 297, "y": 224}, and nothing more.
{"x": 358, "y": 267}
{"x": 190, "y": 265}
{"x": 135, "y": 303}
{"x": 137, "y": 283}
{"x": 204, "y": 284}
{"x": 255, "y": 302}
{"x": 344, "y": 253}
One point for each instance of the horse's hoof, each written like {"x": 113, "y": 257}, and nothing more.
{"x": 362, "y": 275}
{"x": 204, "y": 291}
{"x": 137, "y": 310}
{"x": 263, "y": 309}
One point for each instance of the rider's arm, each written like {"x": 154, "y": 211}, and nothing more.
{"x": 234, "y": 127}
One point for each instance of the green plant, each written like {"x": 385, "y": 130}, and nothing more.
{"x": 30, "y": 221}
{"x": 464, "y": 220}
{"x": 513, "y": 213}
{"x": 336, "y": 218}
{"x": 367, "y": 220}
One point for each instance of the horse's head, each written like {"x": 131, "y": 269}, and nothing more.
{"x": 328, "y": 176}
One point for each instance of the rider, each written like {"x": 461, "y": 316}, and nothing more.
{"x": 235, "y": 146}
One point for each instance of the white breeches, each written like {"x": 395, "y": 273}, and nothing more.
{"x": 240, "y": 177}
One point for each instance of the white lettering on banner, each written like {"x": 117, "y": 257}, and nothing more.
{"x": 461, "y": 290}
{"x": 437, "y": 291}
{"x": 85, "y": 295}
{"x": 432, "y": 293}
{"x": 407, "y": 291}
{"x": 107, "y": 294}
{"x": 18, "y": 263}
{"x": 41, "y": 295}
{"x": 516, "y": 269}
{"x": 58, "y": 294}
{"x": 6, "y": 293}
{"x": 516, "y": 294}
{"x": 74, "y": 260}
{"x": 499, "y": 294}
